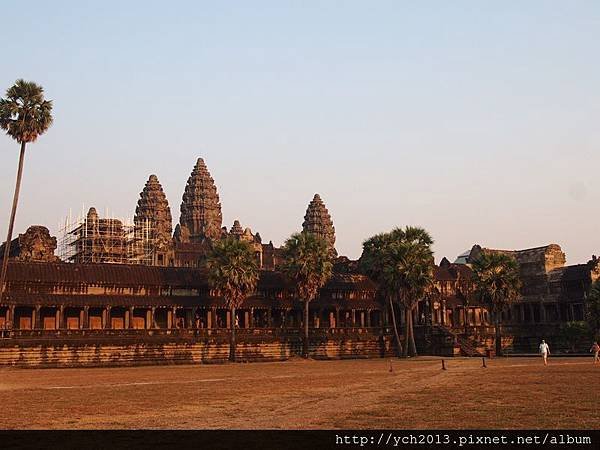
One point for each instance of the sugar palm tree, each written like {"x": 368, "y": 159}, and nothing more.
{"x": 401, "y": 262}
{"x": 374, "y": 258}
{"x": 233, "y": 272}
{"x": 412, "y": 273}
{"x": 307, "y": 263}
{"x": 497, "y": 285}
{"x": 24, "y": 115}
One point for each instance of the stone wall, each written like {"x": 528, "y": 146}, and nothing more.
{"x": 42, "y": 353}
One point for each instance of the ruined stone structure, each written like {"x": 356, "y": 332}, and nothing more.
{"x": 35, "y": 244}
{"x": 154, "y": 225}
{"x": 318, "y": 221}
{"x": 201, "y": 216}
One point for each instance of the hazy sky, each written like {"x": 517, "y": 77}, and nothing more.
{"x": 477, "y": 121}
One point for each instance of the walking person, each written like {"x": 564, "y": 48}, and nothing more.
{"x": 596, "y": 350}
{"x": 545, "y": 351}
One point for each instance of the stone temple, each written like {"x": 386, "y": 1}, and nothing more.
{"x": 142, "y": 296}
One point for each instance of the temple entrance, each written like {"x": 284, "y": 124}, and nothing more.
{"x": 138, "y": 321}
{"x": 48, "y": 319}
{"x": 95, "y": 318}
{"x": 72, "y": 317}
{"x": 161, "y": 318}
{"x": 222, "y": 316}
{"x": 23, "y": 318}
{"x": 117, "y": 318}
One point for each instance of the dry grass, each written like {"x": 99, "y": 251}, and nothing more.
{"x": 510, "y": 393}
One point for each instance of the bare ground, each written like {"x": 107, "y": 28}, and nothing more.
{"x": 509, "y": 393}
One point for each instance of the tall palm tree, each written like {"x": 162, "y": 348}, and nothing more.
{"x": 497, "y": 285}
{"x": 307, "y": 262}
{"x": 412, "y": 272}
{"x": 374, "y": 258}
{"x": 24, "y": 115}
{"x": 401, "y": 262}
{"x": 233, "y": 272}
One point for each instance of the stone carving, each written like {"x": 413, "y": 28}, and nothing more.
{"x": 153, "y": 221}
{"x": 201, "y": 216}
{"x": 35, "y": 244}
{"x": 318, "y": 221}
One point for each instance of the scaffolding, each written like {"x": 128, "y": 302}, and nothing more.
{"x": 91, "y": 239}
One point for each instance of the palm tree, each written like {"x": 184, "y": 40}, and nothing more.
{"x": 233, "y": 272}
{"x": 497, "y": 285}
{"x": 307, "y": 262}
{"x": 401, "y": 262}
{"x": 412, "y": 271}
{"x": 373, "y": 260}
{"x": 24, "y": 115}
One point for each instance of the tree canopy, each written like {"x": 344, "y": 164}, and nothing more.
{"x": 24, "y": 113}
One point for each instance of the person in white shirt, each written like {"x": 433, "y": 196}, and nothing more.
{"x": 545, "y": 351}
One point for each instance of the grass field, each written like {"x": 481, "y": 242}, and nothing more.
{"x": 509, "y": 393}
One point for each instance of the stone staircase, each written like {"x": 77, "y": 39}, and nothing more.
{"x": 465, "y": 347}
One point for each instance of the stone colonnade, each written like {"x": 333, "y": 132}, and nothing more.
{"x": 64, "y": 317}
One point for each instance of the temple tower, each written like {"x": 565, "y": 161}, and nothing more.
{"x": 201, "y": 216}
{"x": 153, "y": 224}
{"x": 318, "y": 221}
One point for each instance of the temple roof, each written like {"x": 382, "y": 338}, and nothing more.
{"x": 152, "y": 214}
{"x": 318, "y": 221}
{"x": 201, "y": 215}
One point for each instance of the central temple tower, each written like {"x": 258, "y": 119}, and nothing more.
{"x": 201, "y": 216}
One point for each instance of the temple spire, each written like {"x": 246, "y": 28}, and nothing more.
{"x": 318, "y": 221}
{"x": 153, "y": 221}
{"x": 201, "y": 216}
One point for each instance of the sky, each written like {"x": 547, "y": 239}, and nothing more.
{"x": 478, "y": 121}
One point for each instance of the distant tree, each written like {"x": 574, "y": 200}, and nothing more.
{"x": 401, "y": 262}
{"x": 307, "y": 263}
{"x": 233, "y": 272}
{"x": 575, "y": 334}
{"x": 497, "y": 284}
{"x": 24, "y": 115}
{"x": 592, "y": 309}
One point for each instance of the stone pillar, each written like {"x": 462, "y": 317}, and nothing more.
{"x": 152, "y": 323}
{"x": 37, "y": 321}
{"x": 169, "y": 318}
{"x": 251, "y": 322}
{"x": 443, "y": 312}
{"x": 213, "y": 315}
{"x": 228, "y": 320}
{"x": 246, "y": 319}
{"x": 337, "y": 317}
{"x": 369, "y": 318}
{"x": 81, "y": 318}
{"x": 148, "y": 321}
{"x": 331, "y": 320}
{"x": 10, "y": 313}
{"x": 106, "y": 317}
{"x": 61, "y": 317}
{"x": 129, "y": 317}
{"x": 269, "y": 318}
{"x": 353, "y": 318}
{"x": 362, "y": 319}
